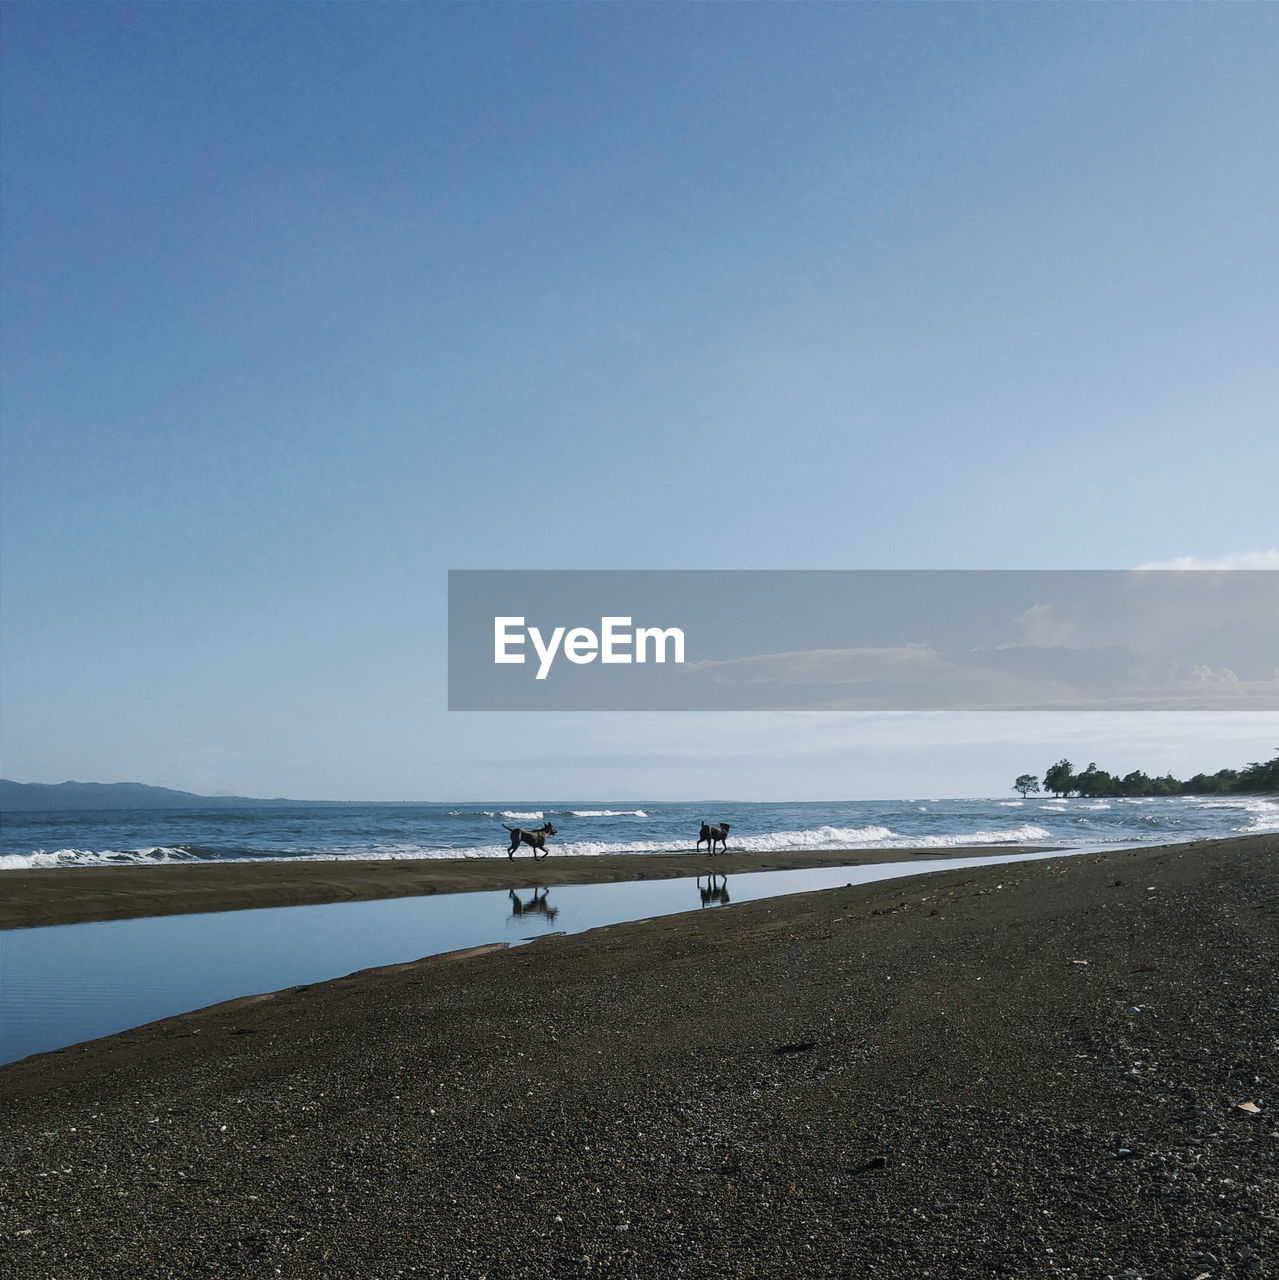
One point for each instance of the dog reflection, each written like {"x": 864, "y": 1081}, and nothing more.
{"x": 535, "y": 906}
{"x": 715, "y": 892}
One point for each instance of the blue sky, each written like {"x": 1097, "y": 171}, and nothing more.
{"x": 306, "y": 304}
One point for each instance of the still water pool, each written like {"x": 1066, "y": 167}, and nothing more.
{"x": 64, "y": 984}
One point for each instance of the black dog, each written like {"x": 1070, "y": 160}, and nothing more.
{"x": 534, "y": 839}
{"x": 713, "y": 835}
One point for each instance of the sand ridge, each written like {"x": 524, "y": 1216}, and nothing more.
{"x": 73, "y": 895}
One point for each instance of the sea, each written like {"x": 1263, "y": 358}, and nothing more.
{"x": 310, "y": 832}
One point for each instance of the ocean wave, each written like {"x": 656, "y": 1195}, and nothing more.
{"x": 45, "y": 859}
{"x": 813, "y": 839}
{"x": 42, "y": 859}
{"x": 1026, "y": 833}
{"x": 604, "y": 813}
{"x": 881, "y": 838}
{"x": 803, "y": 839}
{"x": 1253, "y": 803}
{"x": 1263, "y": 815}
{"x": 526, "y": 815}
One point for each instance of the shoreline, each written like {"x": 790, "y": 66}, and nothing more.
{"x": 79, "y": 895}
{"x": 1005, "y": 1071}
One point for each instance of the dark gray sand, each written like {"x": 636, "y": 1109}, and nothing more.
{"x": 73, "y": 895}
{"x": 1020, "y": 1071}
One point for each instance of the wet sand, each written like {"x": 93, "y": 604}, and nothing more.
{"x": 73, "y": 895}
{"x": 1003, "y": 1072}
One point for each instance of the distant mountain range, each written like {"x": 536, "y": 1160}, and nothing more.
{"x": 18, "y": 797}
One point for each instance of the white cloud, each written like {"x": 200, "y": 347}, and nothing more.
{"x": 1239, "y": 560}
{"x": 821, "y": 666}
{"x": 1036, "y": 677}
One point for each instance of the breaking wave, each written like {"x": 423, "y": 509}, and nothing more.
{"x": 1263, "y": 815}
{"x": 812, "y": 838}
{"x": 43, "y": 859}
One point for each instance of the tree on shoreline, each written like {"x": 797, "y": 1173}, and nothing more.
{"x": 1060, "y": 779}
{"x": 1026, "y": 783}
{"x": 1094, "y": 781}
{"x": 1254, "y": 779}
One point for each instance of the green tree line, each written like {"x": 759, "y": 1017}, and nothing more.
{"x": 1062, "y": 780}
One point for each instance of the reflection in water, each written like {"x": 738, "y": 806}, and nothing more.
{"x": 713, "y": 894}
{"x": 535, "y": 906}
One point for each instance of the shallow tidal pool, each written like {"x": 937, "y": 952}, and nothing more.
{"x": 64, "y": 984}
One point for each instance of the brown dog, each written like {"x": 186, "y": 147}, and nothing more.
{"x": 536, "y": 840}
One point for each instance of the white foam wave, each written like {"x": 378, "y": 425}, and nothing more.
{"x": 1026, "y": 833}
{"x": 1011, "y": 804}
{"x": 607, "y": 813}
{"x": 46, "y": 859}
{"x": 816, "y": 838}
{"x": 1263, "y": 814}
{"x": 881, "y": 838}
{"x": 809, "y": 840}
{"x": 526, "y": 817}
{"x": 1254, "y": 803}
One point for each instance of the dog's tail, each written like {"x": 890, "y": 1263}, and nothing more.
{"x": 510, "y": 828}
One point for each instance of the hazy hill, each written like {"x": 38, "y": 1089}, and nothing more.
{"x": 21, "y": 796}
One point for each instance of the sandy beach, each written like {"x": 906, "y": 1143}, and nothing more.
{"x": 73, "y": 895}
{"x": 1019, "y": 1071}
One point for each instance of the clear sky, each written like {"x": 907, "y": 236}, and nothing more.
{"x": 305, "y": 304}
